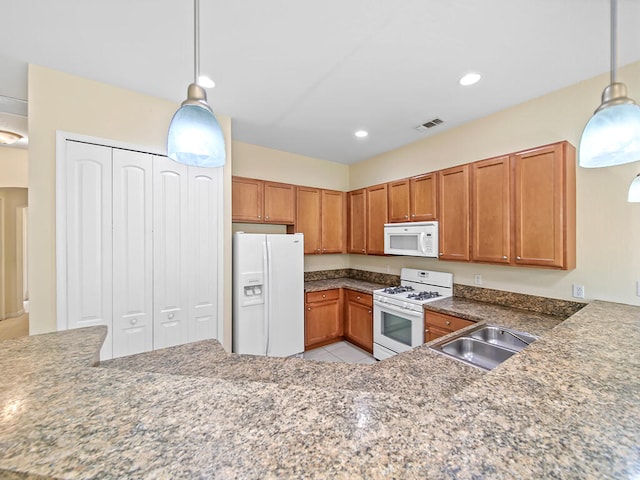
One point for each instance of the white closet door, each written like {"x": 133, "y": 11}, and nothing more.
{"x": 204, "y": 192}
{"x": 170, "y": 235}
{"x": 89, "y": 242}
{"x": 132, "y": 252}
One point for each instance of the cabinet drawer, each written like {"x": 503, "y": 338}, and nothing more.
{"x": 359, "y": 297}
{"x": 447, "y": 322}
{"x": 323, "y": 295}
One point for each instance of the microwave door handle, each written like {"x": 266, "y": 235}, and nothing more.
{"x": 422, "y": 242}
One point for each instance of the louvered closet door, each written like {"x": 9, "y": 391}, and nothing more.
{"x": 89, "y": 242}
{"x": 204, "y": 184}
{"x": 170, "y": 247}
{"x": 132, "y": 253}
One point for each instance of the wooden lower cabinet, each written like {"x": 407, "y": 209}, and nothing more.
{"x": 323, "y": 318}
{"x": 358, "y": 319}
{"x": 438, "y": 325}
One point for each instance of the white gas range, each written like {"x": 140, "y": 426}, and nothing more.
{"x": 398, "y": 319}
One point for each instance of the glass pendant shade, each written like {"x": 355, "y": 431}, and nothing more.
{"x": 612, "y": 137}
{"x": 195, "y": 137}
{"x": 634, "y": 190}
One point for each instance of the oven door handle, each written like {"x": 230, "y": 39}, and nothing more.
{"x": 395, "y": 309}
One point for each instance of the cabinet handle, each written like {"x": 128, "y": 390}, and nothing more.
{"x": 406, "y": 216}
{"x": 363, "y": 250}
{"x": 518, "y": 258}
{"x": 369, "y": 311}
{"x": 441, "y": 253}
{"x": 134, "y": 321}
{"x": 309, "y": 308}
{"x": 324, "y": 249}
{"x": 358, "y": 297}
{"x": 317, "y": 249}
{"x": 324, "y": 296}
{"x": 259, "y": 216}
{"x": 504, "y": 257}
{"x": 413, "y": 214}
{"x": 170, "y": 316}
{"x": 448, "y": 322}
{"x": 266, "y": 217}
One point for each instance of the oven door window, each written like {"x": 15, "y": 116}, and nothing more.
{"x": 396, "y": 328}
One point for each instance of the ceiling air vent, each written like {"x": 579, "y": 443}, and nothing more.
{"x": 430, "y": 124}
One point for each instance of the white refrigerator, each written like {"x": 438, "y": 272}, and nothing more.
{"x": 268, "y": 294}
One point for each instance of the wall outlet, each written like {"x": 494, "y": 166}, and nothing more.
{"x": 578, "y": 291}
{"x": 477, "y": 279}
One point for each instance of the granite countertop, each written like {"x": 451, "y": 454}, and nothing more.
{"x": 350, "y": 283}
{"x": 565, "y": 407}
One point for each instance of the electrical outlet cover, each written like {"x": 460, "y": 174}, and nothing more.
{"x": 578, "y": 291}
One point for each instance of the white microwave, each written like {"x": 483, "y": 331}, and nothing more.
{"x": 415, "y": 239}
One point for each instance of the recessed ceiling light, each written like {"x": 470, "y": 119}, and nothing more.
{"x": 361, "y": 133}
{"x": 469, "y": 79}
{"x": 206, "y": 82}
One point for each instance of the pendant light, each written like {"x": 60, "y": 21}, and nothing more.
{"x": 612, "y": 136}
{"x": 9, "y": 138}
{"x": 195, "y": 137}
{"x": 634, "y": 190}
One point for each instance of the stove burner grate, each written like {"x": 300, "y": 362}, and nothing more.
{"x": 423, "y": 295}
{"x": 399, "y": 289}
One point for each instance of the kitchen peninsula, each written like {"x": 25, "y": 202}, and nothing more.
{"x": 565, "y": 407}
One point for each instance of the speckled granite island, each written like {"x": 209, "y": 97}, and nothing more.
{"x": 568, "y": 406}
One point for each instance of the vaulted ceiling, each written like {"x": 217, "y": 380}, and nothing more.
{"x": 303, "y": 76}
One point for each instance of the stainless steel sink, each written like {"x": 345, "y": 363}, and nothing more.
{"x": 476, "y": 352}
{"x": 503, "y": 337}
{"x": 485, "y": 346}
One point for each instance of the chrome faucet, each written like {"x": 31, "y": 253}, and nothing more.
{"x": 502, "y": 332}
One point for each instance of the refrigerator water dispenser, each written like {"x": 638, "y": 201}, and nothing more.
{"x": 252, "y": 284}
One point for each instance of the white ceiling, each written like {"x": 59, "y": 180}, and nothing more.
{"x": 303, "y": 75}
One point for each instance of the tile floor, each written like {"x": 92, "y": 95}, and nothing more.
{"x": 340, "y": 352}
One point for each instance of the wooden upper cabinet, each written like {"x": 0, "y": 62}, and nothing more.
{"x": 491, "y": 211}
{"x": 376, "y": 218}
{"x": 544, "y": 200}
{"x": 279, "y": 203}
{"x": 423, "y": 197}
{"x": 321, "y": 216}
{"x": 334, "y": 216}
{"x": 308, "y": 218}
{"x": 453, "y": 201}
{"x": 260, "y": 201}
{"x": 247, "y": 199}
{"x": 357, "y": 221}
{"x": 399, "y": 204}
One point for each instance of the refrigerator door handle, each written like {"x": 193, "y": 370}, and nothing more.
{"x": 267, "y": 295}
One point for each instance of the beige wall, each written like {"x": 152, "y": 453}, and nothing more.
{"x": 608, "y": 228}
{"x": 14, "y": 167}
{"x": 58, "y": 101}
{"x": 11, "y": 260}
{"x": 268, "y": 164}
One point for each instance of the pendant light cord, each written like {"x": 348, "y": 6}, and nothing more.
{"x": 196, "y": 41}
{"x": 614, "y": 15}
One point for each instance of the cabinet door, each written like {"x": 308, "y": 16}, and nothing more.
{"x": 357, "y": 203}
{"x": 333, "y": 215}
{"x": 423, "y": 197}
{"x": 358, "y": 322}
{"x": 132, "y": 252}
{"x": 170, "y": 259}
{"x": 431, "y": 333}
{"x": 376, "y": 218}
{"x": 322, "y": 322}
{"x": 279, "y": 203}
{"x": 203, "y": 242}
{"x": 308, "y": 218}
{"x": 454, "y": 213}
{"x": 491, "y": 211}
{"x": 399, "y": 205}
{"x": 89, "y": 294}
{"x": 247, "y": 197}
{"x": 544, "y": 186}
